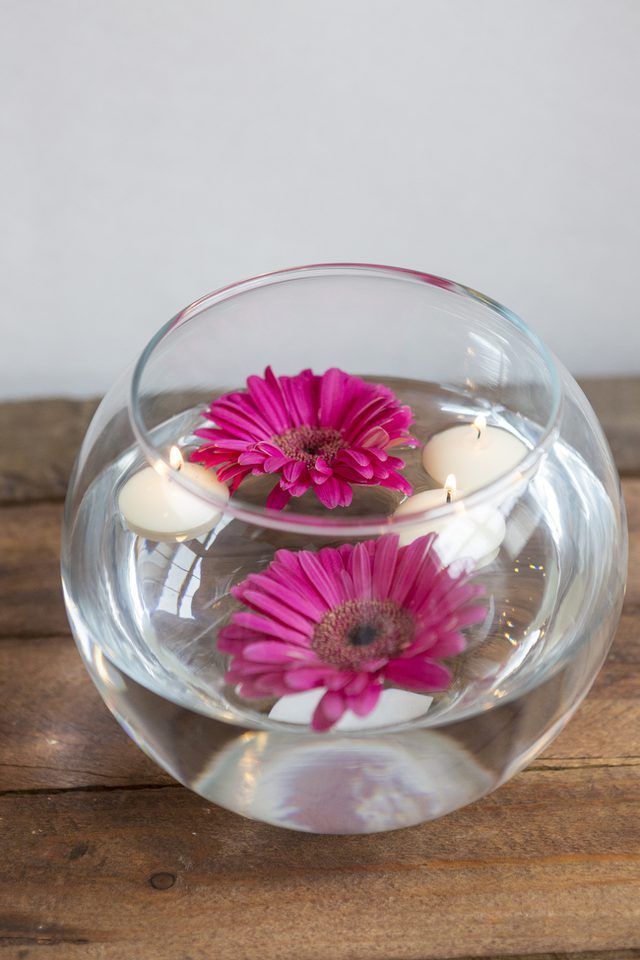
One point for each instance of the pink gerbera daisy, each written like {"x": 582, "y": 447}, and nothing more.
{"x": 319, "y": 432}
{"x": 349, "y": 620}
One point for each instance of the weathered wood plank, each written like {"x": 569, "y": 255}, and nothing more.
{"x": 30, "y": 595}
{"x": 551, "y": 862}
{"x": 617, "y": 404}
{"x": 45, "y": 436}
{"x": 55, "y": 732}
{"x": 40, "y": 440}
{"x": 606, "y": 728}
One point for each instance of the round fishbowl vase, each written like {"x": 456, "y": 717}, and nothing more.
{"x": 345, "y": 549}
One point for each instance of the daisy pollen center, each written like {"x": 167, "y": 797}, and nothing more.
{"x": 361, "y": 630}
{"x": 308, "y": 443}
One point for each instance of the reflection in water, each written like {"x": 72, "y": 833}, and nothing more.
{"x": 346, "y": 785}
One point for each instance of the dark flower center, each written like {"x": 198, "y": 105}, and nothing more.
{"x": 360, "y": 630}
{"x": 309, "y": 443}
{"x": 363, "y": 635}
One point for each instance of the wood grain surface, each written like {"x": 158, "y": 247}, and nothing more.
{"x": 105, "y": 857}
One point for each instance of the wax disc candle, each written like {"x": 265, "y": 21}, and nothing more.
{"x": 474, "y": 534}
{"x": 394, "y": 706}
{"x": 474, "y": 452}
{"x": 155, "y": 506}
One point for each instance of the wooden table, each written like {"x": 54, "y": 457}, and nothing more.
{"x": 104, "y": 856}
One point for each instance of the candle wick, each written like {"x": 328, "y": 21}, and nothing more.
{"x": 449, "y": 495}
{"x": 480, "y": 423}
{"x": 175, "y": 459}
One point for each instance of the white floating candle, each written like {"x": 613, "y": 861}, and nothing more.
{"x": 474, "y": 534}
{"x": 154, "y": 506}
{"x": 476, "y": 453}
{"x": 394, "y": 706}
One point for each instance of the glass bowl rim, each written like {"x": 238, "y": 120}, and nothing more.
{"x": 329, "y": 525}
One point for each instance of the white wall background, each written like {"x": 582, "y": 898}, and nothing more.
{"x": 152, "y": 150}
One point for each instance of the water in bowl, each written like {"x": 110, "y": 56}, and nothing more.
{"x": 146, "y": 615}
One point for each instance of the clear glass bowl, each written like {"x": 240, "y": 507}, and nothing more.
{"x": 147, "y": 613}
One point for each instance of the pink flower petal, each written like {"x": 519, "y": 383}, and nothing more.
{"x": 328, "y": 711}
{"x": 360, "y": 570}
{"x": 379, "y": 453}
{"x": 334, "y": 493}
{"x": 408, "y": 568}
{"x": 269, "y": 400}
{"x": 396, "y": 482}
{"x": 438, "y": 646}
{"x": 242, "y": 422}
{"x": 322, "y": 467}
{"x": 374, "y": 437}
{"x": 363, "y": 415}
{"x": 363, "y": 703}
{"x": 420, "y": 675}
{"x": 337, "y": 680}
{"x": 332, "y": 397}
{"x": 305, "y": 678}
{"x": 293, "y": 470}
{"x": 275, "y": 463}
{"x": 318, "y": 577}
{"x": 384, "y": 564}
{"x": 233, "y": 472}
{"x": 254, "y": 621}
{"x": 264, "y": 603}
{"x": 357, "y": 462}
{"x": 301, "y": 395}
{"x": 357, "y": 683}
{"x": 448, "y": 645}
{"x": 466, "y": 616}
{"x": 272, "y": 651}
{"x": 246, "y": 670}
{"x": 278, "y": 498}
{"x": 299, "y": 600}
{"x": 296, "y": 489}
{"x": 268, "y": 684}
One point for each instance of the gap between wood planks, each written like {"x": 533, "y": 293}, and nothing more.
{"x": 538, "y": 766}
